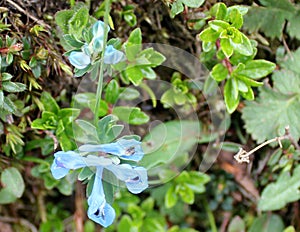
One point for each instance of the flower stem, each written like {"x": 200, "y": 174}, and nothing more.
{"x": 101, "y": 71}
{"x": 210, "y": 215}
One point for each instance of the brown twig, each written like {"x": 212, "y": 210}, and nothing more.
{"x": 20, "y": 221}
{"x": 19, "y": 8}
{"x": 243, "y": 156}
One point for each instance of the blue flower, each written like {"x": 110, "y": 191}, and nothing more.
{"x": 64, "y": 161}
{"x": 123, "y": 148}
{"x": 99, "y": 210}
{"x": 135, "y": 178}
{"x": 98, "y": 29}
{"x": 112, "y": 55}
{"x": 79, "y": 59}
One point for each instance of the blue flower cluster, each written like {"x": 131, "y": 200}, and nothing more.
{"x": 110, "y": 158}
{"x": 90, "y": 51}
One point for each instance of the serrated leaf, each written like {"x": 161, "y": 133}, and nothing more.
{"x": 276, "y": 195}
{"x": 193, "y": 3}
{"x": 275, "y": 108}
{"x": 294, "y": 25}
{"x": 275, "y": 11}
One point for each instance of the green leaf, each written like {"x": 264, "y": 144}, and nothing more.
{"x": 193, "y": 3}
{"x": 134, "y": 44}
{"x": 209, "y": 35}
{"x": 6, "y": 197}
{"x": 49, "y": 103}
{"x": 245, "y": 47}
{"x": 12, "y": 180}
{"x": 275, "y": 108}
{"x": 248, "y": 81}
{"x": 176, "y": 8}
{"x": 275, "y": 11}
{"x": 219, "y": 72}
{"x": 267, "y": 223}
{"x": 236, "y": 18}
{"x": 78, "y": 22}
{"x": 231, "y": 95}
{"x": 112, "y": 91}
{"x": 125, "y": 224}
{"x": 154, "y": 58}
{"x": 218, "y": 25}
{"x": 256, "y": 69}
{"x": 293, "y": 26}
{"x": 168, "y": 141}
{"x": 13, "y": 87}
{"x": 134, "y": 74}
{"x": 219, "y": 10}
{"x": 226, "y": 47}
{"x": 131, "y": 115}
{"x": 72, "y": 41}
{"x": 277, "y": 195}
{"x": 171, "y": 197}
{"x": 67, "y": 115}
{"x": 62, "y": 18}
{"x": 1, "y": 99}
{"x": 6, "y": 76}
{"x": 187, "y": 195}
{"x": 8, "y": 105}
{"x": 237, "y": 225}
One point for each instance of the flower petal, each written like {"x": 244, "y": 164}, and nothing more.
{"x": 135, "y": 178}
{"x": 98, "y": 29}
{"x": 99, "y": 210}
{"x": 112, "y": 55}
{"x": 126, "y": 149}
{"x": 79, "y": 59}
{"x": 64, "y": 161}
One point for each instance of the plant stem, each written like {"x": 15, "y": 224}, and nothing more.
{"x": 101, "y": 71}
{"x": 210, "y": 215}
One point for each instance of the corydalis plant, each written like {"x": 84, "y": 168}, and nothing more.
{"x": 91, "y": 50}
{"x": 119, "y": 158}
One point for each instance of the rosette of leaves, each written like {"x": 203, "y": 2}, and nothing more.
{"x": 235, "y": 54}
{"x": 57, "y": 120}
{"x": 179, "y": 93}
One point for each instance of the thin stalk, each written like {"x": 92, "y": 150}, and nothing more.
{"x": 210, "y": 216}
{"x": 101, "y": 71}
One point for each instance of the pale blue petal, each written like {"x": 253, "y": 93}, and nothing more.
{"x": 79, "y": 59}
{"x": 135, "y": 178}
{"x": 112, "y": 55}
{"x": 126, "y": 149}
{"x": 99, "y": 210}
{"x": 98, "y": 29}
{"x": 140, "y": 183}
{"x": 64, "y": 161}
{"x": 98, "y": 44}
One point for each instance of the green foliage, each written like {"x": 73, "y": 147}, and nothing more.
{"x": 286, "y": 189}
{"x": 179, "y": 94}
{"x": 13, "y": 185}
{"x": 267, "y": 223}
{"x": 184, "y": 187}
{"x": 276, "y": 107}
{"x": 178, "y": 6}
{"x": 58, "y": 120}
{"x": 235, "y": 54}
{"x": 277, "y": 12}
